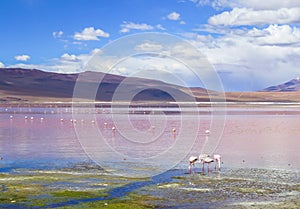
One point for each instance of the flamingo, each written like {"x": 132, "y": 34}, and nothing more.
{"x": 217, "y": 159}
{"x": 192, "y": 161}
{"x": 153, "y": 130}
{"x": 205, "y": 158}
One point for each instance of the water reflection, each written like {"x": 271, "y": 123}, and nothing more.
{"x": 34, "y": 137}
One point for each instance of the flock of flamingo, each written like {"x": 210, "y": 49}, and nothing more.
{"x": 205, "y": 159}
{"x": 202, "y": 158}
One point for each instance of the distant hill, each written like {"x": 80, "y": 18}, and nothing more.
{"x": 286, "y": 92}
{"x": 290, "y": 86}
{"x": 17, "y": 84}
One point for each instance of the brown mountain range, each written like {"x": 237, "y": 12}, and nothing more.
{"x": 31, "y": 85}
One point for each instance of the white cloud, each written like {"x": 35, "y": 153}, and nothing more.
{"x": 154, "y": 67}
{"x": 2, "y": 65}
{"x": 96, "y": 51}
{"x": 216, "y": 3}
{"x": 160, "y": 27}
{"x": 57, "y": 34}
{"x": 68, "y": 57}
{"x": 149, "y": 47}
{"x": 276, "y": 35}
{"x": 273, "y": 5}
{"x": 128, "y": 26}
{"x": 246, "y": 16}
{"x": 173, "y": 16}
{"x": 255, "y": 4}
{"x": 22, "y": 57}
{"x": 252, "y": 58}
{"x": 247, "y": 57}
{"x": 66, "y": 63}
{"x": 90, "y": 34}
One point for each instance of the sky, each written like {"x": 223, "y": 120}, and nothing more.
{"x": 251, "y": 44}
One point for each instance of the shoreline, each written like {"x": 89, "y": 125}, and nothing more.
{"x": 92, "y": 187}
{"x": 147, "y": 104}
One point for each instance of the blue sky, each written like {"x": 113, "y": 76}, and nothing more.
{"x": 251, "y": 44}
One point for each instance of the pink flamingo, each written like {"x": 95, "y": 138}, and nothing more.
{"x": 217, "y": 159}
{"x": 205, "y": 158}
{"x": 192, "y": 161}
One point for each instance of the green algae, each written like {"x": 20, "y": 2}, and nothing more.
{"x": 132, "y": 201}
{"x": 252, "y": 190}
{"x": 44, "y": 188}
{"x": 109, "y": 205}
{"x": 78, "y": 194}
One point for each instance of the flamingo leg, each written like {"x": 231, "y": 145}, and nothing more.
{"x": 190, "y": 169}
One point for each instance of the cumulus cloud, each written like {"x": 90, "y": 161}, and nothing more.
{"x": 154, "y": 67}
{"x": 66, "y": 63}
{"x": 248, "y": 16}
{"x": 276, "y": 35}
{"x": 255, "y": 4}
{"x": 148, "y": 47}
{"x": 273, "y": 5}
{"x": 90, "y": 34}
{"x": 2, "y": 65}
{"x": 57, "y": 34}
{"x": 173, "y": 16}
{"x": 68, "y": 57}
{"x": 96, "y": 51}
{"x": 245, "y": 58}
{"x": 22, "y": 57}
{"x": 128, "y": 26}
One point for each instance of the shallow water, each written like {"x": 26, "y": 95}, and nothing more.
{"x": 92, "y": 187}
{"x": 144, "y": 139}
{"x": 269, "y": 141}
{"x": 46, "y": 157}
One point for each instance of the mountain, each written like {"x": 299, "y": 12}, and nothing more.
{"x": 17, "y": 84}
{"x": 290, "y": 86}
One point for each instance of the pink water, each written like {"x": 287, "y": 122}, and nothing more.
{"x": 258, "y": 139}
{"x": 270, "y": 141}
